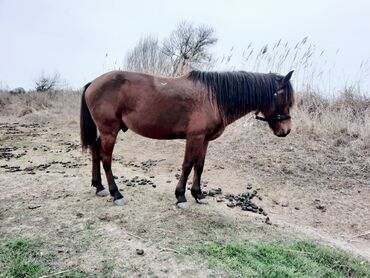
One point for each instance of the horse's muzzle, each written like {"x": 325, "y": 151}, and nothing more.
{"x": 281, "y": 132}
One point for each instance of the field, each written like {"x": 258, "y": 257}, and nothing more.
{"x": 314, "y": 187}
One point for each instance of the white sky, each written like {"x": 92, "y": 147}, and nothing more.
{"x": 72, "y": 37}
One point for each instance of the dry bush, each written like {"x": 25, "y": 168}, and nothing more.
{"x": 39, "y": 102}
{"x": 344, "y": 119}
{"x": 356, "y": 104}
{"x": 312, "y": 103}
{"x": 47, "y": 83}
{"x": 25, "y": 111}
{"x": 4, "y": 99}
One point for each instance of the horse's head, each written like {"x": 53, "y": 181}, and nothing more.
{"x": 277, "y": 115}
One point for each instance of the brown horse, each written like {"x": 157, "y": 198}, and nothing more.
{"x": 196, "y": 107}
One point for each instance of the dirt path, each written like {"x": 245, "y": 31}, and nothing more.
{"x": 45, "y": 191}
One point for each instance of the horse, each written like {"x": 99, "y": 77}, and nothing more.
{"x": 197, "y": 106}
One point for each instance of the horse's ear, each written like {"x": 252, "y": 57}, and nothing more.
{"x": 285, "y": 80}
{"x": 288, "y": 76}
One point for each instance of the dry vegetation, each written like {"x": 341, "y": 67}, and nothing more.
{"x": 344, "y": 119}
{"x": 36, "y": 102}
{"x": 314, "y": 184}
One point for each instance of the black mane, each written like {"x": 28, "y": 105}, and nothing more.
{"x": 239, "y": 92}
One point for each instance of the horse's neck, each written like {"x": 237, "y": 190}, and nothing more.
{"x": 232, "y": 118}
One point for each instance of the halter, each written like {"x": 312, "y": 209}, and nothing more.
{"x": 274, "y": 118}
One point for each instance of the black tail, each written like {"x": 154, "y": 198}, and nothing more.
{"x": 87, "y": 126}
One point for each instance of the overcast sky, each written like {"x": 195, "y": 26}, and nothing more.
{"x": 72, "y": 37}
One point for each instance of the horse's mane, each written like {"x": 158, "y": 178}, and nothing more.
{"x": 239, "y": 92}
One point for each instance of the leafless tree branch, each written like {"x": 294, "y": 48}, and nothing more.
{"x": 188, "y": 46}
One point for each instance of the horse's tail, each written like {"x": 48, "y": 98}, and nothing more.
{"x": 88, "y": 129}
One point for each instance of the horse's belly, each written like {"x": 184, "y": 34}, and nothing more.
{"x": 156, "y": 129}
{"x": 158, "y": 133}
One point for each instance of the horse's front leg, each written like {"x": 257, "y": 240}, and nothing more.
{"x": 193, "y": 150}
{"x": 196, "y": 191}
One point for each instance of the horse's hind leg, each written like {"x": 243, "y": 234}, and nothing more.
{"x": 107, "y": 144}
{"x": 96, "y": 176}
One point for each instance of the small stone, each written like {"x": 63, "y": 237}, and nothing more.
{"x": 248, "y": 208}
{"x": 230, "y": 205}
{"x": 268, "y": 221}
{"x": 218, "y": 190}
{"x": 249, "y": 186}
{"x": 211, "y": 193}
{"x": 140, "y": 252}
{"x": 296, "y": 208}
{"x": 79, "y": 214}
{"x": 154, "y": 186}
{"x": 33, "y": 206}
{"x": 321, "y": 207}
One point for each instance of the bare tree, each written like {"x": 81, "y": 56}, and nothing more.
{"x": 188, "y": 46}
{"x": 147, "y": 57}
{"x": 47, "y": 83}
{"x": 185, "y": 48}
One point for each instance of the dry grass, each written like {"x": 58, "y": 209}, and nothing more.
{"x": 314, "y": 68}
{"x": 344, "y": 118}
{"x": 38, "y": 102}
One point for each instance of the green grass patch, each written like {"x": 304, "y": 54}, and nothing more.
{"x": 23, "y": 258}
{"x": 108, "y": 268}
{"x": 279, "y": 259}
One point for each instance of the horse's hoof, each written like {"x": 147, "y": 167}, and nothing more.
{"x": 202, "y": 201}
{"x": 183, "y": 205}
{"x": 102, "y": 193}
{"x": 120, "y": 202}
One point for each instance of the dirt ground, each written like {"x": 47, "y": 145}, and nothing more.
{"x": 309, "y": 187}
